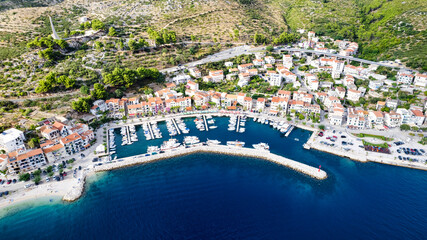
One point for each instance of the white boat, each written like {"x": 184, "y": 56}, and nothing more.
{"x": 170, "y": 144}
{"x": 235, "y": 143}
{"x": 213, "y": 142}
{"x": 261, "y": 146}
{"x": 255, "y": 119}
{"x": 112, "y": 152}
{"x": 152, "y": 149}
{"x": 212, "y": 127}
{"x": 296, "y": 139}
{"x": 231, "y": 129}
{"x": 242, "y": 130}
{"x": 191, "y": 140}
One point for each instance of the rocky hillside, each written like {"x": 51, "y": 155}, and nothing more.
{"x": 385, "y": 29}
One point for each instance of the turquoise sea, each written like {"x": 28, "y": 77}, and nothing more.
{"x": 208, "y": 196}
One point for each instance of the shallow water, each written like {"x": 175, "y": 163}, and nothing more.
{"x": 209, "y": 196}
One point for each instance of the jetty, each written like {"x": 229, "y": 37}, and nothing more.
{"x": 151, "y": 130}
{"x": 128, "y": 134}
{"x": 176, "y": 126}
{"x": 238, "y": 123}
{"x": 206, "y": 124}
{"x": 289, "y": 131}
{"x": 219, "y": 149}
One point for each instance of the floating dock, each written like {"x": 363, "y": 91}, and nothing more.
{"x": 289, "y": 131}
{"x": 176, "y": 126}
{"x": 206, "y": 124}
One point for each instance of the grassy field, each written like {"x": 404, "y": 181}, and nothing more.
{"x": 383, "y": 145}
{"x": 363, "y": 135}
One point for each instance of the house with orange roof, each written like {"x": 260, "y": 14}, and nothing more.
{"x": 54, "y": 153}
{"x": 392, "y": 119}
{"x": 279, "y": 104}
{"x": 260, "y": 104}
{"x": 247, "y": 103}
{"x": 353, "y": 95}
{"x": 284, "y": 94}
{"x": 376, "y": 119}
{"x": 216, "y": 76}
{"x": 192, "y": 85}
{"x": 417, "y": 117}
{"x": 195, "y": 72}
{"x": 26, "y": 161}
{"x": 245, "y": 67}
{"x": 50, "y": 132}
{"x": 73, "y": 143}
{"x": 420, "y": 80}
{"x": 329, "y": 101}
{"x": 229, "y": 100}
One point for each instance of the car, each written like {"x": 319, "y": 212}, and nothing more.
{"x": 400, "y": 157}
{"x": 333, "y": 131}
{"x": 28, "y": 185}
{"x": 2, "y": 182}
{"x": 421, "y": 150}
{"x": 361, "y": 146}
{"x": 14, "y": 181}
{"x": 398, "y": 150}
{"x": 47, "y": 179}
{"x": 9, "y": 181}
{"x": 343, "y": 136}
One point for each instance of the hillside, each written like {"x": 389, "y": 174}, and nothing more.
{"x": 384, "y": 29}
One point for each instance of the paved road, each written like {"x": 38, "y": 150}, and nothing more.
{"x": 246, "y": 49}
{"x": 339, "y": 56}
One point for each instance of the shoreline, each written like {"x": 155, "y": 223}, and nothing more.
{"x": 70, "y": 190}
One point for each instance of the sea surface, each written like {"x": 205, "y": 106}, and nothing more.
{"x": 209, "y": 196}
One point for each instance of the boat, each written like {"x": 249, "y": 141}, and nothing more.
{"x": 152, "y": 149}
{"x": 112, "y": 152}
{"x": 191, "y": 140}
{"x": 231, "y": 129}
{"x": 212, "y": 127}
{"x": 212, "y": 142}
{"x": 296, "y": 139}
{"x": 261, "y": 146}
{"x": 242, "y": 130}
{"x": 170, "y": 144}
{"x": 235, "y": 143}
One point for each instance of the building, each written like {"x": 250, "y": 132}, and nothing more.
{"x": 376, "y": 119}
{"x": 98, "y": 106}
{"x": 417, "y": 117}
{"x": 404, "y": 78}
{"x": 260, "y": 105}
{"x": 275, "y": 79}
{"x": 195, "y": 72}
{"x": 287, "y": 61}
{"x": 181, "y": 78}
{"x": 24, "y": 161}
{"x": 192, "y": 85}
{"x": 353, "y": 95}
{"x": 258, "y": 62}
{"x": 73, "y": 143}
{"x": 244, "y": 79}
{"x": 269, "y": 60}
{"x": 12, "y": 139}
{"x": 420, "y": 80}
{"x": 392, "y": 119}
{"x": 217, "y": 76}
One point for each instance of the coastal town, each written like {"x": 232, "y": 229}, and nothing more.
{"x": 314, "y": 84}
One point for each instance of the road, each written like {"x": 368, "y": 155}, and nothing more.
{"x": 246, "y": 49}
{"x": 339, "y": 56}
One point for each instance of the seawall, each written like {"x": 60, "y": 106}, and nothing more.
{"x": 219, "y": 149}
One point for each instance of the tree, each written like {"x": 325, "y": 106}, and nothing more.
{"x": 66, "y": 81}
{"x": 259, "y": 39}
{"x": 405, "y": 127}
{"x": 84, "y": 90}
{"x": 97, "y": 24}
{"x": 269, "y": 48}
{"x": 24, "y": 177}
{"x": 112, "y": 32}
{"x": 118, "y": 93}
{"x": 37, "y": 180}
{"x": 47, "y": 54}
{"x": 322, "y": 127}
{"x": 132, "y": 45}
{"x": 81, "y": 105}
{"x": 99, "y": 45}
{"x": 33, "y": 143}
{"x": 61, "y": 43}
{"x": 98, "y": 92}
{"x": 285, "y": 38}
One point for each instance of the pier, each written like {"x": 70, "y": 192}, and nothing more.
{"x": 238, "y": 123}
{"x": 128, "y": 134}
{"x": 151, "y": 130}
{"x": 176, "y": 126}
{"x": 289, "y": 131}
{"x": 206, "y": 124}
{"x": 219, "y": 149}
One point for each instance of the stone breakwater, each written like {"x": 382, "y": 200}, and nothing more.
{"x": 219, "y": 149}
{"x": 77, "y": 189}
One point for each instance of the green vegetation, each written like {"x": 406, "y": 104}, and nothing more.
{"x": 383, "y": 145}
{"x": 363, "y": 135}
{"x": 162, "y": 37}
{"x": 24, "y": 177}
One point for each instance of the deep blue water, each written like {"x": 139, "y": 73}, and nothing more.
{"x": 207, "y": 196}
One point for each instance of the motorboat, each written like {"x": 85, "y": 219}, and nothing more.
{"x": 235, "y": 143}
{"x": 261, "y": 146}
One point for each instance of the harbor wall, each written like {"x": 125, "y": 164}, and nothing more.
{"x": 219, "y": 149}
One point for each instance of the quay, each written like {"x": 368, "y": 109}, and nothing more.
{"x": 238, "y": 123}
{"x": 219, "y": 149}
{"x": 151, "y": 130}
{"x": 176, "y": 126}
{"x": 206, "y": 124}
{"x": 289, "y": 131}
